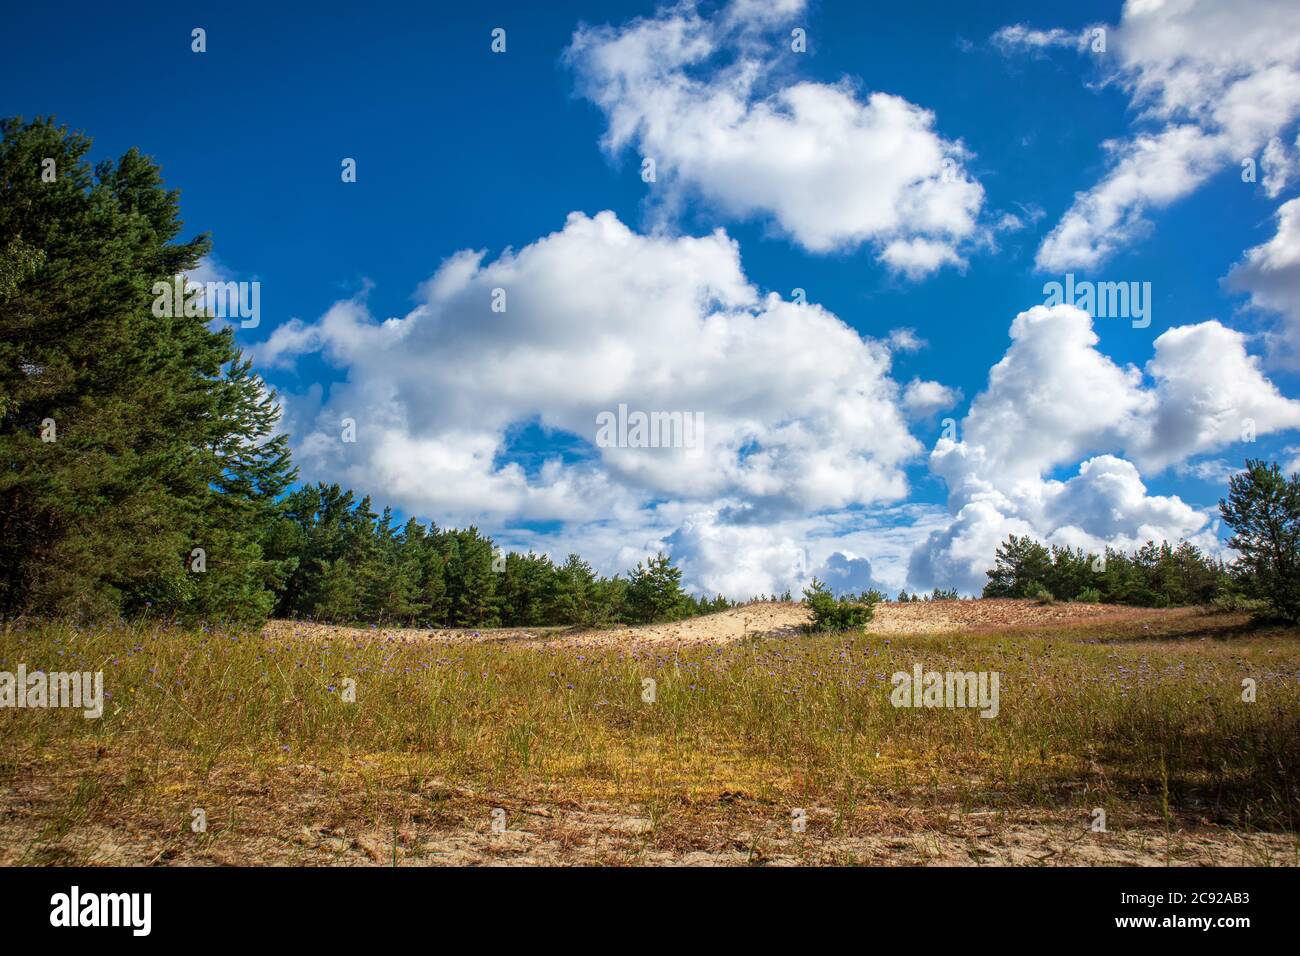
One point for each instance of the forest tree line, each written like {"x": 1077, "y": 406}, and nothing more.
{"x": 350, "y": 564}
{"x": 1154, "y": 575}
{"x": 1263, "y": 510}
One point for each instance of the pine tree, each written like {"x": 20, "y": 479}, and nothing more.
{"x": 1263, "y": 510}
{"x": 609, "y": 602}
{"x": 1021, "y": 564}
{"x": 526, "y": 589}
{"x": 418, "y": 551}
{"x": 158, "y": 445}
{"x": 471, "y": 580}
{"x": 388, "y": 583}
{"x": 655, "y": 592}
{"x": 573, "y": 595}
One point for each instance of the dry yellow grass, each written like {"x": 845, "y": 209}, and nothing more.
{"x": 549, "y": 735}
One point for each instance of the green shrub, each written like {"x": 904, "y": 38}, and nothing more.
{"x": 837, "y": 614}
{"x": 1040, "y": 595}
{"x": 1089, "y": 596}
{"x": 1238, "y": 602}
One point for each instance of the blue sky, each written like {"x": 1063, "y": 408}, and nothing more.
{"x": 459, "y": 148}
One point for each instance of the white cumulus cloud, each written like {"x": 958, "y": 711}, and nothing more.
{"x": 1270, "y": 272}
{"x": 710, "y": 100}
{"x": 798, "y": 414}
{"x": 1054, "y": 401}
{"x": 923, "y": 398}
{"x": 1212, "y": 83}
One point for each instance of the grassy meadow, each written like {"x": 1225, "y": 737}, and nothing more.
{"x": 1144, "y": 721}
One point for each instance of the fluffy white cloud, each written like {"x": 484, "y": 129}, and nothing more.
{"x": 1020, "y": 36}
{"x": 1054, "y": 400}
{"x": 739, "y": 559}
{"x": 1213, "y": 83}
{"x": 905, "y": 340}
{"x": 917, "y": 258}
{"x": 798, "y": 414}
{"x": 1278, "y": 165}
{"x": 1214, "y": 470}
{"x": 1270, "y": 272}
{"x": 1210, "y": 394}
{"x": 707, "y": 99}
{"x": 852, "y": 551}
{"x": 923, "y": 398}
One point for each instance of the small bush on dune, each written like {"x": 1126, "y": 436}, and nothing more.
{"x": 1239, "y": 603}
{"x": 845, "y": 613}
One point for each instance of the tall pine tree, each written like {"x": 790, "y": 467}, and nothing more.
{"x": 127, "y": 440}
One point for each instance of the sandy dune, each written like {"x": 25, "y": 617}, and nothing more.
{"x": 764, "y": 619}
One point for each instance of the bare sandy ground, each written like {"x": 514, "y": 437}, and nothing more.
{"x": 731, "y": 831}
{"x": 763, "y": 619}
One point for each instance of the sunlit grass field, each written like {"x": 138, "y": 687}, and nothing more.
{"x": 1148, "y": 725}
